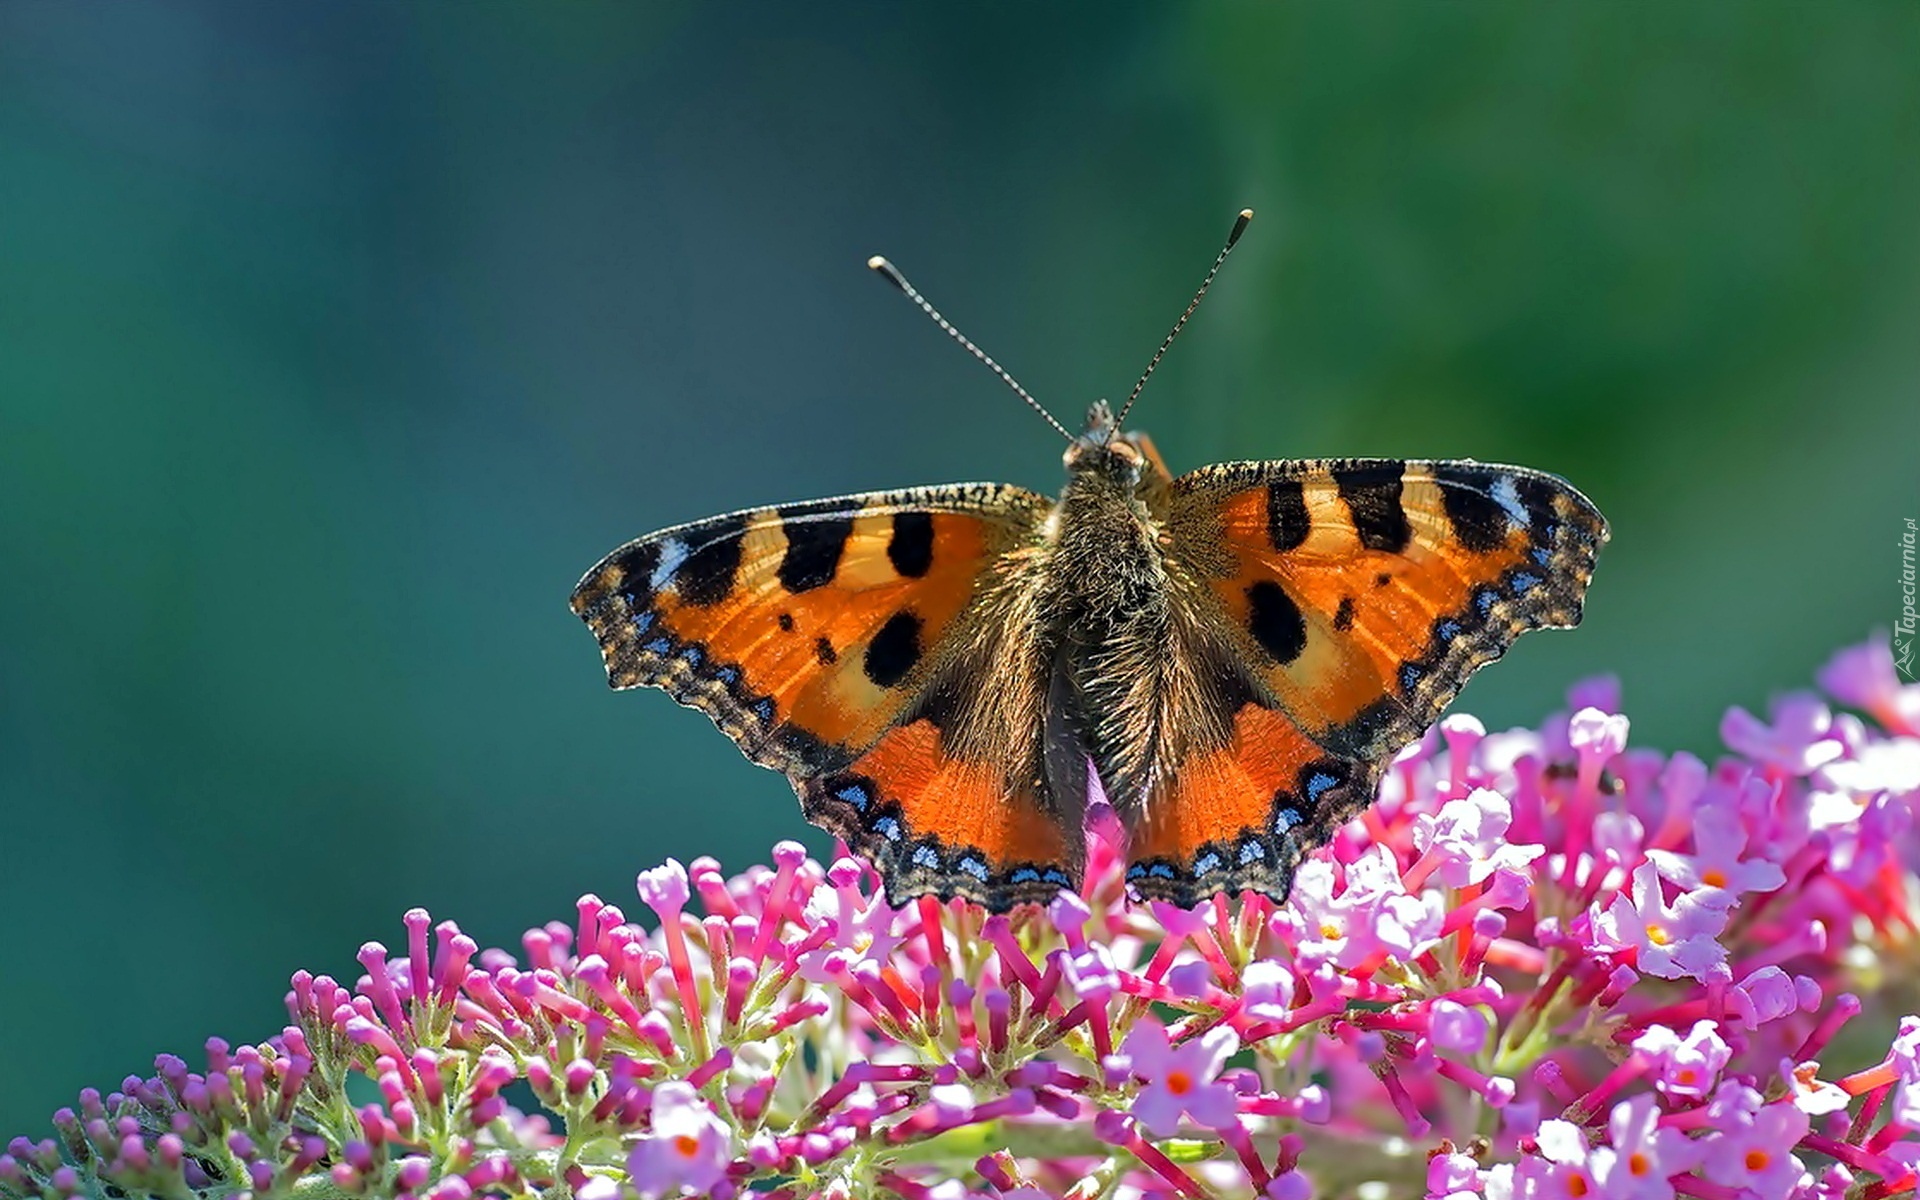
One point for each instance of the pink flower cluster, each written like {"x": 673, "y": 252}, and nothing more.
{"x": 1543, "y": 965}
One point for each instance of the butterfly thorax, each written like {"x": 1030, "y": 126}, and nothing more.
{"x": 1109, "y": 616}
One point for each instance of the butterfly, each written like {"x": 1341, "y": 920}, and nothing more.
{"x": 1236, "y": 651}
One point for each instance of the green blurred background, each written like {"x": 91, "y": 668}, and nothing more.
{"x": 336, "y": 341}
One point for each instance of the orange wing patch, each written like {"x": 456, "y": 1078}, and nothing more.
{"x": 835, "y": 656}
{"x": 1240, "y": 817}
{"x": 934, "y": 823}
{"x": 801, "y": 630}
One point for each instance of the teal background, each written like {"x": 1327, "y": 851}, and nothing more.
{"x": 337, "y": 340}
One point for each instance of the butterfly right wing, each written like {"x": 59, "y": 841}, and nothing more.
{"x": 870, "y": 647}
{"x": 1359, "y": 594}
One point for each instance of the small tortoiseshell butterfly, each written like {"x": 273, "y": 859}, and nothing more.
{"x": 1236, "y": 650}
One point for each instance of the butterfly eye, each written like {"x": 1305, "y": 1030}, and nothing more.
{"x": 1117, "y": 459}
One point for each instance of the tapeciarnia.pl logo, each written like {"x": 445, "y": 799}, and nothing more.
{"x": 1903, "y": 627}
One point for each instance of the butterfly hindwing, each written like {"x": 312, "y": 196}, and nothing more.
{"x": 934, "y": 821}
{"x": 813, "y": 634}
{"x": 1362, "y": 593}
{"x": 1239, "y": 816}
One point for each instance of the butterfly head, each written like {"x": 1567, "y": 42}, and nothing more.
{"x": 1127, "y": 459}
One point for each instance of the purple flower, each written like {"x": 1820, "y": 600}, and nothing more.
{"x": 1905, "y": 1056}
{"x": 1091, "y": 974}
{"x": 1266, "y": 989}
{"x": 863, "y": 927}
{"x": 1753, "y": 1149}
{"x": 1564, "y": 1168}
{"x": 1684, "y": 1068}
{"x": 686, "y": 1150}
{"x": 1617, "y": 838}
{"x": 1456, "y": 1027}
{"x": 664, "y": 888}
{"x": 1373, "y": 915}
{"x": 1445, "y": 977}
{"x": 1672, "y": 941}
{"x": 1069, "y": 913}
{"x": 1808, "y": 1092}
{"x": 1467, "y": 839}
{"x": 1890, "y": 766}
{"x": 1642, "y": 1155}
{"x": 1863, "y": 676}
{"x": 953, "y": 1102}
{"x": 1600, "y": 692}
{"x": 1181, "y": 1079}
{"x": 598, "y": 1187}
{"x": 1406, "y": 925}
{"x": 1289, "y": 1185}
{"x": 1191, "y": 979}
{"x": 1451, "y": 1175}
{"x": 1799, "y": 741}
{"x": 1719, "y": 839}
{"x": 1597, "y": 735}
{"x": 1766, "y": 995}
{"x": 1332, "y": 928}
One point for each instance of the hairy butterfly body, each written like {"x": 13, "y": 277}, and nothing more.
{"x": 1236, "y": 651}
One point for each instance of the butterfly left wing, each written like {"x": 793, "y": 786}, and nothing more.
{"x": 1359, "y": 594}
{"x": 858, "y": 645}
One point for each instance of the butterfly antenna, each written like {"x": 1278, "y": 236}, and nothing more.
{"x": 1239, "y": 227}
{"x": 892, "y": 275}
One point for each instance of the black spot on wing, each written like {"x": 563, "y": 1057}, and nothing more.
{"x": 910, "y": 549}
{"x": 1287, "y": 524}
{"x": 824, "y": 651}
{"x": 636, "y": 568}
{"x": 1372, "y": 494}
{"x": 1343, "y": 615}
{"x": 894, "y": 651}
{"x": 1275, "y": 621}
{"x": 785, "y": 621}
{"x": 706, "y": 576}
{"x": 814, "y": 546}
{"x": 1537, "y": 493}
{"x": 1477, "y": 518}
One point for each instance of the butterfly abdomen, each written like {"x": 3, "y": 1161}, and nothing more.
{"x": 1112, "y": 620}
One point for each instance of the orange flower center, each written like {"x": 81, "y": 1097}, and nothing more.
{"x": 1179, "y": 1082}
{"x": 1577, "y": 1185}
{"x": 1637, "y": 1163}
{"x": 1329, "y": 930}
{"x": 1658, "y": 935}
{"x": 1714, "y": 877}
{"x": 686, "y": 1145}
{"x": 1757, "y": 1160}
